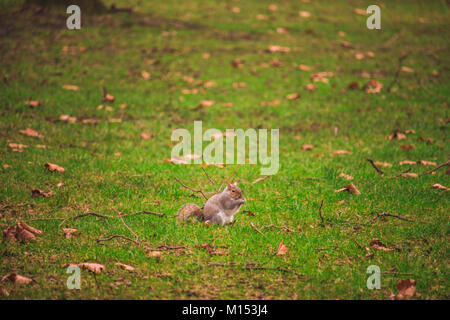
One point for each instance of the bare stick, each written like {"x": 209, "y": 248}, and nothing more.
{"x": 375, "y": 166}
{"x": 210, "y": 179}
{"x": 436, "y": 168}
{"x": 117, "y": 236}
{"x": 406, "y": 171}
{"x": 129, "y": 229}
{"x": 278, "y": 227}
{"x": 189, "y": 188}
{"x": 226, "y": 181}
{"x": 397, "y": 74}
{"x": 320, "y": 213}
{"x": 387, "y": 214}
{"x": 250, "y": 213}
{"x": 144, "y": 212}
{"x": 256, "y": 229}
{"x": 81, "y": 215}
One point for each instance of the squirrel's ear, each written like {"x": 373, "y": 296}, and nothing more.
{"x": 229, "y": 185}
{"x": 236, "y": 184}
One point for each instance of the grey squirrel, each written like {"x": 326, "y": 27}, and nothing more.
{"x": 219, "y": 209}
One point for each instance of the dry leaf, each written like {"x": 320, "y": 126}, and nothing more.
{"x": 146, "y": 75}
{"x": 383, "y": 164}
{"x": 90, "y": 121}
{"x": 340, "y": 152}
{"x": 17, "y": 147}
{"x": 407, "y": 147}
{"x": 124, "y": 266}
{"x": 310, "y": 87}
{"x": 427, "y": 163}
{"x": 409, "y": 175}
{"x": 345, "y": 176}
{"x": 54, "y": 167}
{"x": 70, "y": 87}
{"x": 373, "y": 86}
{"x": 360, "y": 11}
{"x": 91, "y": 266}
{"x": 39, "y": 192}
{"x": 4, "y": 292}
{"x": 304, "y": 67}
{"x": 227, "y": 104}
{"x": 276, "y": 48}
{"x": 210, "y": 84}
{"x": 10, "y": 234}
{"x": 32, "y": 103}
{"x": 155, "y": 253}
{"x": 145, "y": 135}
{"x": 282, "y": 249}
{"x": 16, "y": 278}
{"x": 378, "y": 245}
{"x": 353, "y": 86}
{"x": 307, "y": 147}
{"x": 239, "y": 85}
{"x": 406, "y": 69}
{"x": 108, "y": 98}
{"x": 359, "y": 56}
{"x": 260, "y": 179}
{"x": 206, "y": 103}
{"x": 407, "y": 162}
{"x": 439, "y": 186}
{"x": 276, "y": 63}
{"x": 304, "y": 14}
{"x": 275, "y": 102}
{"x": 351, "y": 188}
{"x": 406, "y": 289}
{"x": 31, "y": 133}
{"x": 282, "y": 30}
{"x": 293, "y": 96}
{"x": 69, "y": 232}
{"x": 273, "y": 7}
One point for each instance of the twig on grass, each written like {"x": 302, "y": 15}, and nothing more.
{"x": 118, "y": 236}
{"x": 189, "y": 188}
{"x": 209, "y": 178}
{"x": 144, "y": 212}
{"x": 387, "y": 214}
{"x": 436, "y": 168}
{"x": 397, "y": 74}
{"x": 251, "y": 266}
{"x": 320, "y": 214}
{"x": 226, "y": 181}
{"x": 81, "y": 215}
{"x": 278, "y": 227}
{"x": 129, "y": 229}
{"x": 256, "y": 229}
{"x": 375, "y": 166}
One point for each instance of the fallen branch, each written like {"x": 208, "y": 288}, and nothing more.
{"x": 189, "y": 188}
{"x": 118, "y": 236}
{"x": 397, "y": 74}
{"x": 320, "y": 214}
{"x": 248, "y": 212}
{"x": 144, "y": 212}
{"x": 436, "y": 168}
{"x": 278, "y": 227}
{"x": 387, "y": 214}
{"x": 129, "y": 229}
{"x": 81, "y": 215}
{"x": 226, "y": 181}
{"x": 375, "y": 166}
{"x": 209, "y": 178}
{"x": 256, "y": 229}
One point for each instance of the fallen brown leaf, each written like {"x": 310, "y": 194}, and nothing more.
{"x": 70, "y": 87}
{"x": 307, "y": 147}
{"x": 406, "y": 289}
{"x": 31, "y": 133}
{"x": 293, "y": 96}
{"x": 16, "y": 278}
{"x": 345, "y": 176}
{"x": 351, "y": 188}
{"x": 91, "y": 266}
{"x": 32, "y": 103}
{"x": 440, "y": 187}
{"x": 409, "y": 175}
{"x": 54, "y": 167}
{"x": 69, "y": 232}
{"x": 124, "y": 266}
{"x": 42, "y": 193}
{"x": 340, "y": 152}
{"x": 378, "y": 245}
{"x": 282, "y": 249}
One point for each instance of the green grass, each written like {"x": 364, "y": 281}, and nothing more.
{"x": 119, "y": 46}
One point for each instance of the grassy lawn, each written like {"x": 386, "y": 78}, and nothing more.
{"x": 189, "y": 49}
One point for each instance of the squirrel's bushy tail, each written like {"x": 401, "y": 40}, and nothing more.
{"x": 189, "y": 210}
